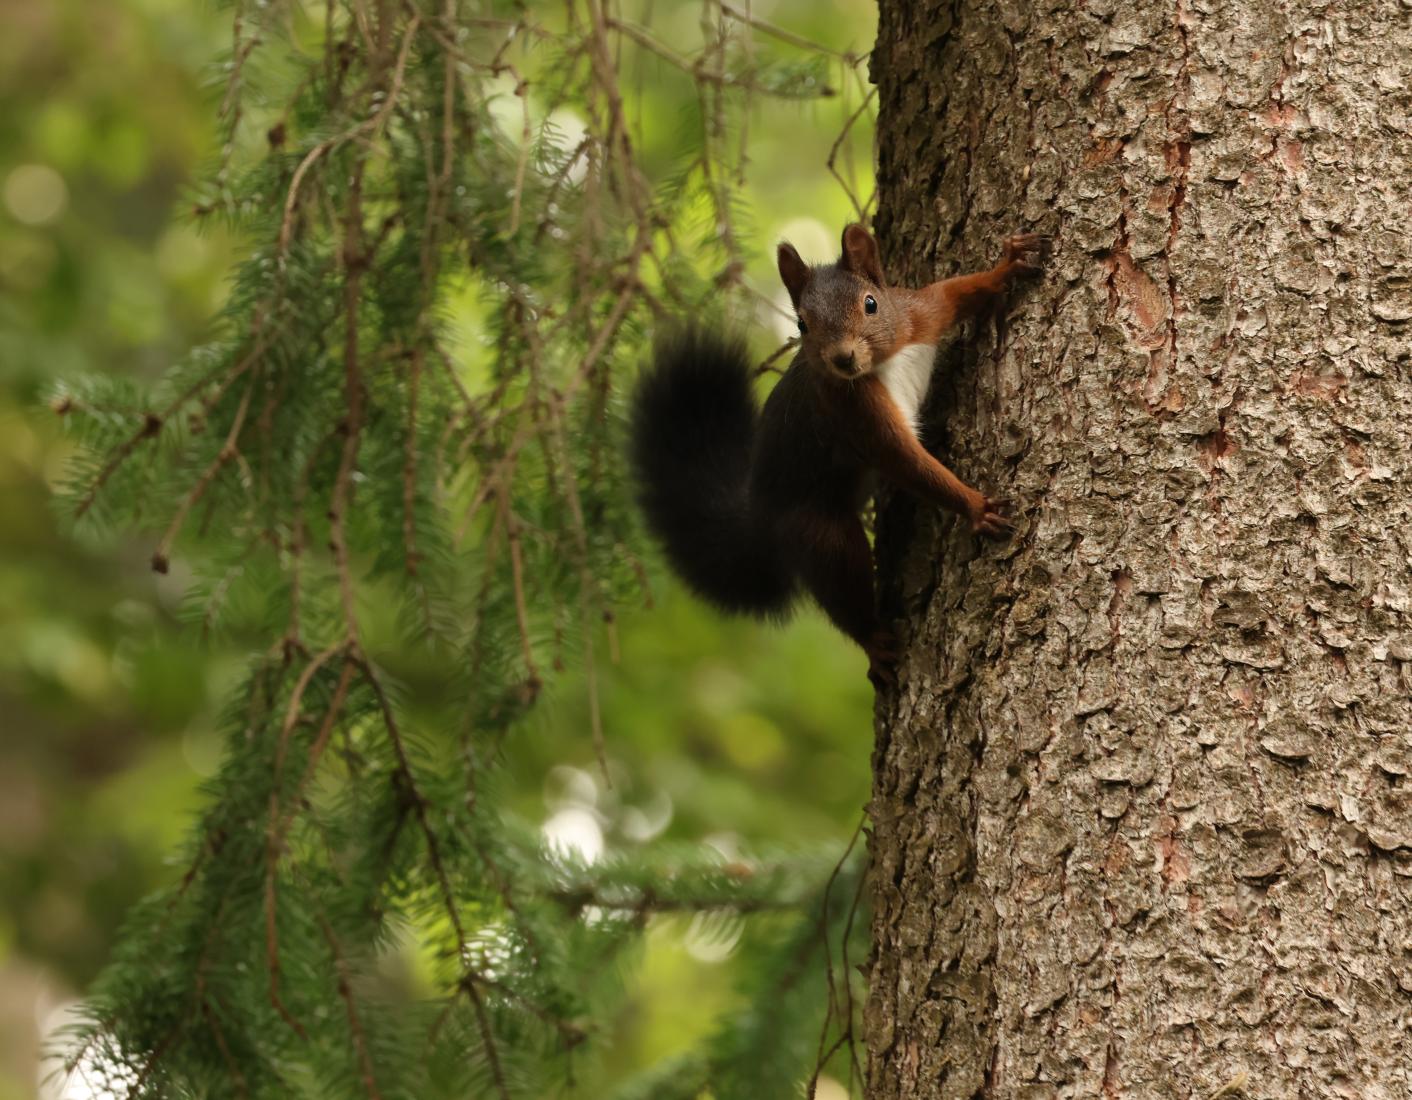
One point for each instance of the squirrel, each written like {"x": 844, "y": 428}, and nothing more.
{"x": 751, "y": 504}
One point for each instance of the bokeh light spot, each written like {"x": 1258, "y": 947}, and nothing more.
{"x": 35, "y": 194}
{"x": 575, "y": 832}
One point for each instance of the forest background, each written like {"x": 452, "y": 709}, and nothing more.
{"x": 717, "y": 733}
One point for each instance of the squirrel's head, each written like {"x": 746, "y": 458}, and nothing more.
{"x": 847, "y": 319}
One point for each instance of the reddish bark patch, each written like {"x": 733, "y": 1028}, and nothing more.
{"x": 1176, "y": 864}
{"x": 1178, "y": 154}
{"x": 1146, "y": 301}
{"x": 1356, "y": 455}
{"x": 1325, "y": 387}
{"x": 1212, "y": 448}
{"x": 1111, "y": 1083}
{"x": 1118, "y": 858}
{"x": 1103, "y": 152}
{"x": 1243, "y": 695}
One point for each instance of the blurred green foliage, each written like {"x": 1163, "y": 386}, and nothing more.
{"x": 717, "y": 732}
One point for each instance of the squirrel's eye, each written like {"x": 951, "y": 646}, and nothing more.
{"x": 803, "y": 328}
{"x": 870, "y": 304}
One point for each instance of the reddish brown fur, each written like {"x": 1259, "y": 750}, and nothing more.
{"x": 898, "y": 455}
{"x": 830, "y": 300}
{"x": 936, "y": 308}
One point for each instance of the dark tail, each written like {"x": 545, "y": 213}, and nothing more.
{"x": 693, "y": 422}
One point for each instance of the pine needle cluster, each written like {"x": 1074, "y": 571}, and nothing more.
{"x": 364, "y": 483}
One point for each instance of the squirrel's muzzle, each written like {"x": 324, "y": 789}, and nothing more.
{"x": 846, "y": 363}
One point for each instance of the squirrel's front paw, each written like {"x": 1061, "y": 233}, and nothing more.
{"x": 1027, "y": 252}
{"x": 987, "y": 516}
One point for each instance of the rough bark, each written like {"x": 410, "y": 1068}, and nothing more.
{"x": 1142, "y": 813}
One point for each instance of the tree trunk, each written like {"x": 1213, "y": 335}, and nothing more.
{"x": 1142, "y": 813}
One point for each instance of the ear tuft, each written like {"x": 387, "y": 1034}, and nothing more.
{"x": 861, "y": 255}
{"x": 794, "y": 272}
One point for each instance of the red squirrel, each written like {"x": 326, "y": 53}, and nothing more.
{"x": 751, "y": 504}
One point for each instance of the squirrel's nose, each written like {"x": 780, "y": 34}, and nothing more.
{"x": 845, "y": 364}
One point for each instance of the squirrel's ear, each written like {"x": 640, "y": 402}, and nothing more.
{"x": 793, "y": 271}
{"x": 860, "y": 254}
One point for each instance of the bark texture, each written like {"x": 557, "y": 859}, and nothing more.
{"x": 1143, "y": 803}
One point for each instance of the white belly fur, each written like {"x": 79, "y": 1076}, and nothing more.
{"x": 907, "y": 376}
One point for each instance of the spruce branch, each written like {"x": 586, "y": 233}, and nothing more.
{"x": 363, "y": 490}
{"x": 492, "y": 1053}
{"x": 278, "y": 818}
{"x": 229, "y": 450}
{"x": 369, "y": 127}
{"x": 152, "y": 424}
{"x": 355, "y": 1026}
{"x": 419, "y": 801}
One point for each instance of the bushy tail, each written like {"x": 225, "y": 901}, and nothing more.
{"x": 693, "y": 421}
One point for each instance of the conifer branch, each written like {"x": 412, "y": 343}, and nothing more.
{"x": 517, "y": 573}
{"x": 477, "y": 486}
{"x": 298, "y": 535}
{"x": 409, "y": 464}
{"x": 419, "y": 801}
{"x": 151, "y": 427}
{"x": 228, "y": 451}
{"x": 355, "y": 1027}
{"x": 353, "y": 395}
{"x": 517, "y": 194}
{"x": 232, "y": 1067}
{"x": 487, "y": 1036}
{"x": 371, "y": 125}
{"x": 155, "y": 1057}
{"x": 278, "y": 819}
{"x": 495, "y": 481}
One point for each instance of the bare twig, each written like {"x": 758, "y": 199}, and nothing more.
{"x": 775, "y": 356}
{"x": 859, "y": 208}
{"x": 839, "y": 1007}
{"x": 765, "y": 27}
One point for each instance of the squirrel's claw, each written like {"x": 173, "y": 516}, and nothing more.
{"x": 1027, "y": 251}
{"x": 994, "y": 526}
{"x": 988, "y": 518}
{"x": 883, "y": 653}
